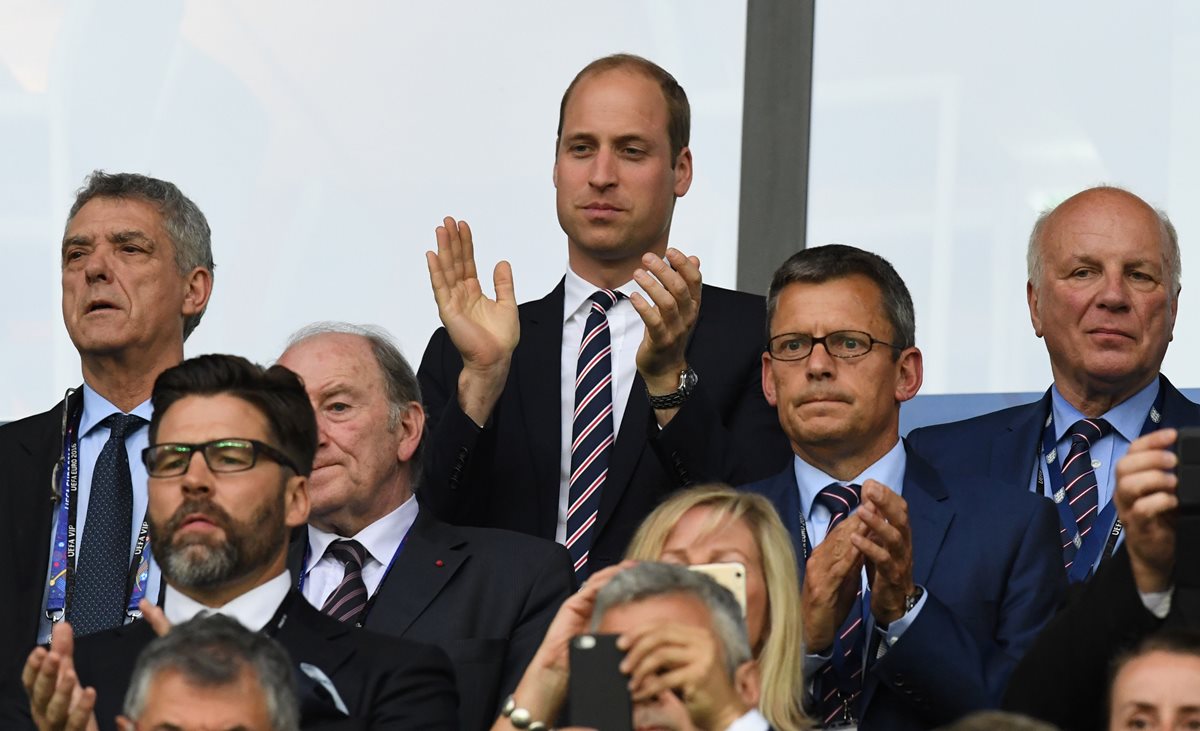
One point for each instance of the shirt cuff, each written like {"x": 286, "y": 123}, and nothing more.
{"x": 894, "y": 631}
{"x": 1158, "y": 603}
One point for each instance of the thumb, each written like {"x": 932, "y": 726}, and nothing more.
{"x": 502, "y": 280}
{"x": 155, "y": 617}
{"x": 62, "y": 641}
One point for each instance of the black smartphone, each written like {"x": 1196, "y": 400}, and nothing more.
{"x": 597, "y": 691}
{"x": 1187, "y": 524}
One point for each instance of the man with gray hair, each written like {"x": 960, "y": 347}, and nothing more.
{"x": 137, "y": 272}
{"x": 212, "y": 673}
{"x": 1103, "y": 291}
{"x": 373, "y": 557}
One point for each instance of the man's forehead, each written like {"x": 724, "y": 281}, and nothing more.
{"x": 333, "y": 361}
{"x": 616, "y": 88}
{"x": 211, "y": 417}
{"x": 677, "y": 607}
{"x": 855, "y": 296}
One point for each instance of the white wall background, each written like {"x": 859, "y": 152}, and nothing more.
{"x": 325, "y": 141}
{"x": 941, "y": 128}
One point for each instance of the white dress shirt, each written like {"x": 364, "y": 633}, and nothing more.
{"x": 254, "y": 609}
{"x": 751, "y": 720}
{"x": 625, "y": 328}
{"x": 381, "y": 540}
{"x": 95, "y": 410}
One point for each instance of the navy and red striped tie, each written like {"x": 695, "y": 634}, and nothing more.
{"x": 1079, "y": 484}
{"x": 591, "y": 430}
{"x": 839, "y": 682}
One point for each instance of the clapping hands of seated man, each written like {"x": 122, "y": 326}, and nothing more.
{"x": 486, "y": 331}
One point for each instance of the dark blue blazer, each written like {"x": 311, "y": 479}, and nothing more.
{"x": 1003, "y": 444}
{"x": 991, "y": 566}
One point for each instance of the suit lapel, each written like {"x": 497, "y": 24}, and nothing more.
{"x": 43, "y": 444}
{"x": 432, "y": 555}
{"x": 311, "y": 637}
{"x": 1178, "y": 411}
{"x": 783, "y": 493}
{"x": 1019, "y": 440}
{"x": 541, "y": 340}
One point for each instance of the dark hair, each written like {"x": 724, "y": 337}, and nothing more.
{"x": 181, "y": 218}
{"x": 212, "y": 651}
{"x": 275, "y": 391}
{"x": 679, "y": 112}
{"x": 836, "y": 261}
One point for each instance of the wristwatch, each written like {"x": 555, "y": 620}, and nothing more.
{"x": 687, "y": 383}
{"x": 911, "y": 600}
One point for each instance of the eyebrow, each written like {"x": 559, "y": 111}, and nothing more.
{"x": 117, "y": 237}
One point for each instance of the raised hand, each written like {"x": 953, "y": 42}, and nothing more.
{"x": 1146, "y": 504}
{"x": 56, "y": 700}
{"x": 670, "y": 316}
{"x": 887, "y": 549}
{"x": 485, "y": 331}
{"x": 832, "y": 578}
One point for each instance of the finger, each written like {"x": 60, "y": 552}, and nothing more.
{"x": 468, "y": 250}
{"x": 672, "y": 280}
{"x": 33, "y": 667}
{"x": 155, "y": 617}
{"x": 682, "y": 679}
{"x": 1149, "y": 508}
{"x": 502, "y": 280}
{"x": 437, "y": 279}
{"x": 454, "y": 240}
{"x": 44, "y": 685}
{"x": 59, "y": 706}
{"x": 445, "y": 252}
{"x": 666, "y": 300}
{"x": 62, "y": 641}
{"x": 1161, "y": 439}
{"x": 651, "y": 317}
{"x": 688, "y": 268}
{"x": 640, "y": 641}
{"x": 876, "y": 555}
{"x": 1150, "y": 460}
{"x": 662, "y": 659}
{"x": 82, "y": 709}
{"x": 885, "y": 532}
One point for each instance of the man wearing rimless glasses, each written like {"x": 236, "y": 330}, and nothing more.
{"x": 231, "y": 451}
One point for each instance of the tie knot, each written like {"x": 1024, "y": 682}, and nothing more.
{"x": 605, "y": 298}
{"x": 1089, "y": 430}
{"x": 121, "y": 425}
{"x": 840, "y": 500}
{"x": 348, "y": 552}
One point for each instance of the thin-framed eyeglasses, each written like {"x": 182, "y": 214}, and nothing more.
{"x": 845, "y": 344}
{"x": 221, "y": 455}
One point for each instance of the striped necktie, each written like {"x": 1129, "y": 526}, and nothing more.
{"x": 839, "y": 682}
{"x": 591, "y": 430}
{"x": 1079, "y": 484}
{"x": 349, "y": 599}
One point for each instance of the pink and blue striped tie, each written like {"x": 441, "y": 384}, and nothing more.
{"x": 349, "y": 599}
{"x": 839, "y": 682}
{"x": 1079, "y": 484}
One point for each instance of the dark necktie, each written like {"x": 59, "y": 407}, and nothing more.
{"x": 591, "y": 430}
{"x": 839, "y": 682}
{"x": 98, "y": 598}
{"x": 349, "y": 599}
{"x": 1079, "y": 484}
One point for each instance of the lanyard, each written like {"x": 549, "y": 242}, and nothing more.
{"x": 305, "y": 569}
{"x": 65, "y": 553}
{"x": 1096, "y": 544}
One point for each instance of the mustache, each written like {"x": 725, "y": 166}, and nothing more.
{"x": 196, "y": 506}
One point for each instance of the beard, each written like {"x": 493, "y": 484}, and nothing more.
{"x": 202, "y": 562}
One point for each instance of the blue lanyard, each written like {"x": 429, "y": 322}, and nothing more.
{"x": 65, "y": 553}
{"x": 1097, "y": 544}
{"x": 305, "y": 569}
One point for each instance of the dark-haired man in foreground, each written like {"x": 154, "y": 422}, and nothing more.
{"x": 231, "y": 452}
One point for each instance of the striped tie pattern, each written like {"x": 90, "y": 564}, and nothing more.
{"x": 1079, "y": 484}
{"x": 839, "y": 682}
{"x": 99, "y": 601}
{"x": 591, "y": 430}
{"x": 349, "y": 599}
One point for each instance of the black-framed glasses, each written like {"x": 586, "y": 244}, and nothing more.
{"x": 844, "y": 344}
{"x": 221, "y": 455}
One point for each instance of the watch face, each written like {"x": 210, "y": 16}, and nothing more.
{"x": 688, "y": 380}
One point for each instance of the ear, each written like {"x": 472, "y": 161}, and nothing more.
{"x": 910, "y": 373}
{"x": 409, "y": 431}
{"x": 124, "y": 724}
{"x": 295, "y": 501}
{"x": 1034, "y": 317}
{"x": 198, "y": 288}
{"x": 768, "y": 379}
{"x": 747, "y": 681}
{"x": 554, "y": 170}
{"x": 1174, "y": 312}
{"x": 683, "y": 172}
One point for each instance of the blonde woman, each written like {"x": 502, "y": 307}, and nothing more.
{"x": 717, "y": 524}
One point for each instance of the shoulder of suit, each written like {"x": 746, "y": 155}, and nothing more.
{"x": 721, "y": 297}
{"x": 966, "y": 428}
{"x": 498, "y": 544}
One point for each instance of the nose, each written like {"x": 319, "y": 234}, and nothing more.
{"x": 603, "y": 173}
{"x": 819, "y": 365}
{"x": 1114, "y": 292}
{"x": 97, "y": 266}
{"x": 198, "y": 478}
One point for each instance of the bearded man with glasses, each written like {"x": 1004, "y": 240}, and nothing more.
{"x": 919, "y": 594}
{"x": 220, "y": 526}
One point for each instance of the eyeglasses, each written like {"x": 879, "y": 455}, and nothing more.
{"x": 221, "y": 455}
{"x": 841, "y": 344}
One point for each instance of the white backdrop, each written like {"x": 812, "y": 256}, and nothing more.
{"x": 325, "y": 141}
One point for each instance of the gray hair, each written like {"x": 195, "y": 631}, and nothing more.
{"x": 399, "y": 380}
{"x": 836, "y": 261}
{"x": 650, "y": 579}
{"x": 212, "y": 651}
{"x": 181, "y": 218}
{"x": 1170, "y": 243}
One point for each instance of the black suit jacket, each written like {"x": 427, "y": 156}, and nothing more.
{"x": 29, "y": 449}
{"x": 507, "y": 474}
{"x": 484, "y": 596}
{"x": 386, "y": 683}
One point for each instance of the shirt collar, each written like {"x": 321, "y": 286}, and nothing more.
{"x": 888, "y": 470}
{"x": 1127, "y": 418}
{"x": 96, "y": 409}
{"x": 577, "y": 291}
{"x": 253, "y": 609}
{"x": 381, "y": 539}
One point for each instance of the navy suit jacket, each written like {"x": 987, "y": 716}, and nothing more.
{"x": 1005, "y": 443}
{"x": 484, "y": 596}
{"x": 991, "y": 566}
{"x": 507, "y": 474}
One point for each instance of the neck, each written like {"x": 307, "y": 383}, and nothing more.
{"x": 609, "y": 273}
{"x": 218, "y": 596}
{"x": 1094, "y": 399}
{"x": 349, "y": 520}
{"x": 126, "y": 379}
{"x": 841, "y": 464}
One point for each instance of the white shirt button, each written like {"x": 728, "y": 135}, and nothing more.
{"x": 1095, "y": 464}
